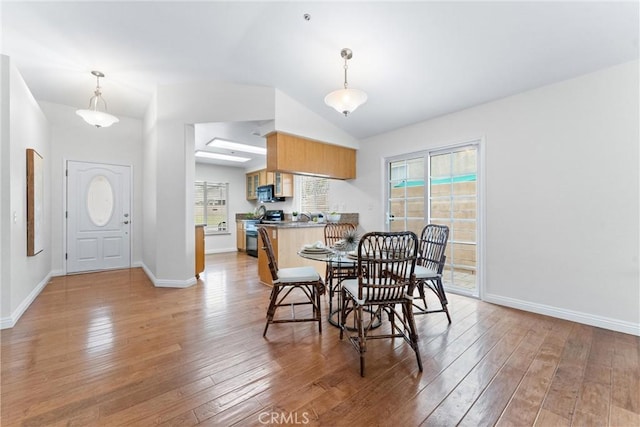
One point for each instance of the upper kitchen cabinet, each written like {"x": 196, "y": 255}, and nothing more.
{"x": 297, "y": 155}
{"x": 254, "y": 180}
{"x": 282, "y": 183}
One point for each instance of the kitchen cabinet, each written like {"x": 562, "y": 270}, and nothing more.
{"x": 286, "y": 242}
{"x": 199, "y": 250}
{"x": 254, "y": 180}
{"x": 282, "y": 182}
{"x": 297, "y": 155}
{"x": 241, "y": 238}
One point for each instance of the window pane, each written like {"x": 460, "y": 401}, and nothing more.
{"x": 465, "y": 185}
{"x": 199, "y": 203}
{"x": 464, "y": 162}
{"x": 211, "y": 205}
{"x": 415, "y": 207}
{"x": 440, "y": 208}
{"x": 464, "y": 255}
{"x": 397, "y": 208}
{"x": 440, "y": 189}
{"x": 396, "y": 226}
{"x": 398, "y": 171}
{"x": 440, "y": 165}
{"x": 464, "y": 231}
{"x": 464, "y": 207}
{"x": 415, "y": 169}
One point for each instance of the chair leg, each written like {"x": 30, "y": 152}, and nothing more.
{"x": 343, "y": 311}
{"x": 420, "y": 287}
{"x": 413, "y": 334}
{"x": 362, "y": 336}
{"x": 443, "y": 298}
{"x": 317, "y": 310}
{"x": 272, "y": 308}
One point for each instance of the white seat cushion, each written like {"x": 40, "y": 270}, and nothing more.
{"x": 425, "y": 273}
{"x": 351, "y": 286}
{"x": 297, "y": 274}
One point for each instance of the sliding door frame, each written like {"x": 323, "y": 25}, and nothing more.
{"x": 479, "y": 144}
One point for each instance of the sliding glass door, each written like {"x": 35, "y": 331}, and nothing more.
{"x": 440, "y": 187}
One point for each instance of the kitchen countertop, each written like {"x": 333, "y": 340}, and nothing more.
{"x": 293, "y": 224}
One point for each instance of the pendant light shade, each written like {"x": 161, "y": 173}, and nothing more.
{"x": 345, "y": 100}
{"x": 93, "y": 115}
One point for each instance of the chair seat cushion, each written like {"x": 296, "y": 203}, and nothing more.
{"x": 351, "y": 286}
{"x": 425, "y": 273}
{"x": 297, "y": 274}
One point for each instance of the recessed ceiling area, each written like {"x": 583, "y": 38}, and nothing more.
{"x": 244, "y": 132}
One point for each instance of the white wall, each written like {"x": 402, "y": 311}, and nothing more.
{"x": 562, "y": 194}
{"x": 26, "y": 126}
{"x": 237, "y": 202}
{"x": 169, "y": 253}
{"x": 73, "y": 139}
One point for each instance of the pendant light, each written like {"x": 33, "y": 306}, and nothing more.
{"x": 92, "y": 115}
{"x": 345, "y": 100}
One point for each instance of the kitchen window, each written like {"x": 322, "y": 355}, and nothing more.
{"x": 314, "y": 194}
{"x": 211, "y": 208}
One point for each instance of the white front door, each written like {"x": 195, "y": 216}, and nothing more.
{"x": 98, "y": 216}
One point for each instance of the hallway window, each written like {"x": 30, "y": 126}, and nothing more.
{"x": 211, "y": 208}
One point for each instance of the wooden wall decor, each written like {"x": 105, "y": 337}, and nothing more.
{"x": 35, "y": 202}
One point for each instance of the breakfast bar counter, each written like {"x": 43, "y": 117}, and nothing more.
{"x": 287, "y": 238}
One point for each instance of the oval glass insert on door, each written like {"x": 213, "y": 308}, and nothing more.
{"x": 100, "y": 200}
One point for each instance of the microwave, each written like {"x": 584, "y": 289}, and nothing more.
{"x": 266, "y": 194}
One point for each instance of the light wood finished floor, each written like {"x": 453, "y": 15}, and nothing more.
{"x": 110, "y": 349}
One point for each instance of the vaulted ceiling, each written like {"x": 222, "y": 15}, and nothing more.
{"x": 416, "y": 60}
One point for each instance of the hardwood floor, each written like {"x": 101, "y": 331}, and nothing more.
{"x": 110, "y": 349}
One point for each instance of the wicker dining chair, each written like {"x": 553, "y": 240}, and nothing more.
{"x": 292, "y": 287}
{"x": 337, "y": 271}
{"x": 429, "y": 266}
{"x": 386, "y": 263}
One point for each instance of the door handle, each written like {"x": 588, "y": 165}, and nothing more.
{"x": 126, "y": 222}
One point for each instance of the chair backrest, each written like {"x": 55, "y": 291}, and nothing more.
{"x": 433, "y": 243}
{"x": 386, "y": 263}
{"x": 268, "y": 248}
{"x": 335, "y": 231}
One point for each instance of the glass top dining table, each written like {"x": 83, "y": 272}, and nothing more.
{"x": 341, "y": 265}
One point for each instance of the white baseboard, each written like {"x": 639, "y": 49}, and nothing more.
{"x": 161, "y": 283}
{"x": 563, "y": 313}
{"x": 10, "y": 322}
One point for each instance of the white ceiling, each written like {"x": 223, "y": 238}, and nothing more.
{"x": 416, "y": 60}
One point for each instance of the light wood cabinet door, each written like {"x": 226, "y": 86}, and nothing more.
{"x": 297, "y": 155}
{"x": 283, "y": 183}
{"x": 251, "y": 187}
{"x": 241, "y": 238}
